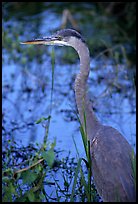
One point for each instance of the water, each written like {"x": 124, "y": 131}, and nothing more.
{"x": 27, "y": 82}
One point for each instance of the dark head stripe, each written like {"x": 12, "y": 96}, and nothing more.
{"x": 69, "y": 33}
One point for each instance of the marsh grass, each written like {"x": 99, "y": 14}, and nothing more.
{"x": 40, "y": 174}
{"x": 133, "y": 159}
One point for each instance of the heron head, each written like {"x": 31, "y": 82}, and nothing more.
{"x": 65, "y": 37}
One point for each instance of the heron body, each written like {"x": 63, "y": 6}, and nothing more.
{"x": 111, "y": 154}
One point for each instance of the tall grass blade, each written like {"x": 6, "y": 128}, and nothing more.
{"x": 51, "y": 98}
{"x": 75, "y": 180}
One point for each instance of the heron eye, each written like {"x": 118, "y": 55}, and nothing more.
{"x": 59, "y": 38}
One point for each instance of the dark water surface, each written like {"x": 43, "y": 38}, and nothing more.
{"x": 27, "y": 80}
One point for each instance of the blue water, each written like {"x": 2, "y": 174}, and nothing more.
{"x": 25, "y": 101}
{"x": 23, "y": 109}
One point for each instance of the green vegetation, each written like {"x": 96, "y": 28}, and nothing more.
{"x": 40, "y": 174}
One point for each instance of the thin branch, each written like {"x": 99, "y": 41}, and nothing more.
{"x": 25, "y": 169}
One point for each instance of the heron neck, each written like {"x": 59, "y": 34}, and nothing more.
{"x": 83, "y": 103}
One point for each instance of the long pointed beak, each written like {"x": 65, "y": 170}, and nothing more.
{"x": 34, "y": 42}
{"x": 42, "y": 41}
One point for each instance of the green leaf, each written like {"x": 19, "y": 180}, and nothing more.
{"x": 49, "y": 156}
{"x": 8, "y": 191}
{"x": 6, "y": 179}
{"x": 42, "y": 196}
{"x": 11, "y": 188}
{"x": 31, "y": 196}
{"x": 53, "y": 144}
{"x": 42, "y": 119}
{"x": 75, "y": 180}
{"x": 29, "y": 177}
{"x": 8, "y": 172}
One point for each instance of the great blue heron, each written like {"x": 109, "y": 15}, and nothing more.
{"x": 111, "y": 154}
